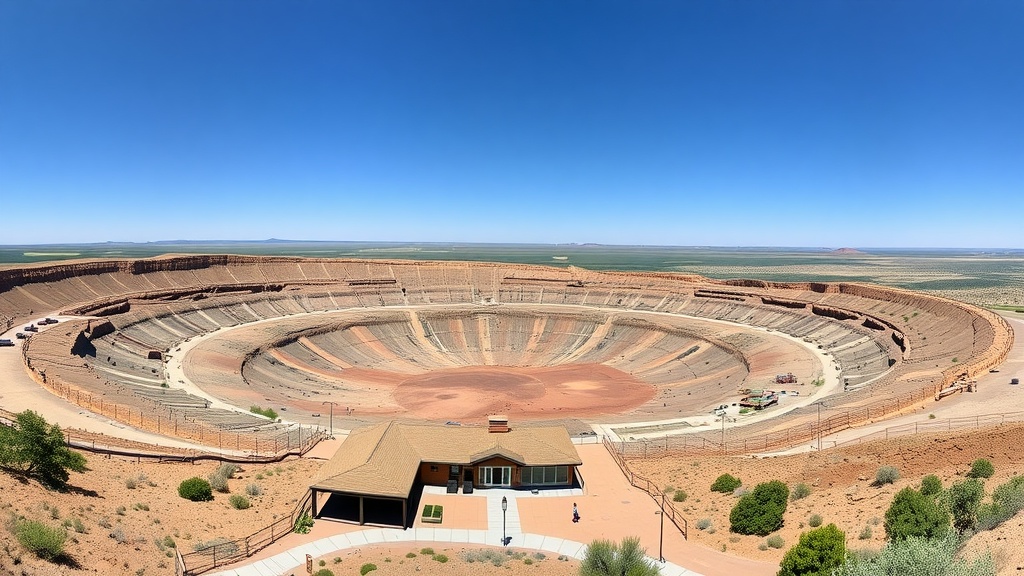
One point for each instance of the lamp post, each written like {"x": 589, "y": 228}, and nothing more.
{"x": 818, "y": 404}
{"x": 661, "y": 536}
{"x": 332, "y": 415}
{"x": 504, "y": 509}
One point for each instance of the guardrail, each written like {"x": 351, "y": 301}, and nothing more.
{"x": 667, "y": 508}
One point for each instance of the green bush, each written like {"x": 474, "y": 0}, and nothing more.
{"x": 410, "y": 555}
{"x": 775, "y": 541}
{"x": 886, "y": 475}
{"x": 35, "y": 448}
{"x": 981, "y": 468}
{"x": 366, "y": 569}
{"x": 440, "y": 558}
{"x": 679, "y": 496}
{"x": 607, "y": 558}
{"x": 800, "y": 491}
{"x": 427, "y": 551}
{"x": 818, "y": 553}
{"x": 303, "y": 524}
{"x": 703, "y": 523}
{"x": 760, "y": 512}
{"x": 195, "y": 489}
{"x": 239, "y": 502}
{"x": 914, "y": 514}
{"x": 218, "y": 483}
{"x": 814, "y": 521}
{"x": 323, "y": 572}
{"x": 1007, "y": 500}
{"x": 918, "y": 557}
{"x": 962, "y": 501}
{"x": 39, "y": 539}
{"x": 269, "y": 413}
{"x": 726, "y": 483}
{"x": 931, "y": 485}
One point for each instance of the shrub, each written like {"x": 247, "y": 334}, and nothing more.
{"x": 865, "y": 534}
{"x": 818, "y": 552}
{"x": 981, "y": 468}
{"x": 366, "y": 569}
{"x": 1007, "y": 500}
{"x": 254, "y": 489}
{"x": 39, "y": 539}
{"x": 760, "y": 512}
{"x": 931, "y": 485}
{"x": 269, "y": 413}
{"x": 323, "y": 572}
{"x": 427, "y": 551}
{"x": 227, "y": 470}
{"x": 141, "y": 506}
{"x": 195, "y": 489}
{"x": 607, "y": 558}
{"x": 79, "y": 527}
{"x": 303, "y": 523}
{"x": 886, "y": 475}
{"x": 219, "y": 483}
{"x": 129, "y": 483}
{"x": 800, "y": 491}
{"x": 679, "y": 496}
{"x": 919, "y": 557}
{"x": 121, "y": 510}
{"x": 440, "y": 558}
{"x": 814, "y": 521}
{"x": 962, "y": 501}
{"x": 410, "y": 555}
{"x": 118, "y": 535}
{"x": 913, "y": 514}
{"x": 775, "y": 541}
{"x": 703, "y": 523}
{"x": 239, "y": 502}
{"x": 726, "y": 483}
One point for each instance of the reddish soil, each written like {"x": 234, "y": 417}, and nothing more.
{"x": 577, "y": 390}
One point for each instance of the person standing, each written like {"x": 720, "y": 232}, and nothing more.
{"x": 575, "y": 513}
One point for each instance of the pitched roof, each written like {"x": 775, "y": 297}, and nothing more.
{"x": 384, "y": 459}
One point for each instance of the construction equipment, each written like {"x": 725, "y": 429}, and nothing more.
{"x": 759, "y": 399}
{"x": 786, "y": 378}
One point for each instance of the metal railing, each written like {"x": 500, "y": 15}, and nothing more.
{"x": 667, "y": 508}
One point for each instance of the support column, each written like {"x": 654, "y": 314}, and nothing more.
{"x": 313, "y": 511}
{"x": 361, "y": 520}
{"x": 405, "y": 513}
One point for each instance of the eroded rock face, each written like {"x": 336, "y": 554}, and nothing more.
{"x": 877, "y": 336}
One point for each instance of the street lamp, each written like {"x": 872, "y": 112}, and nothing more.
{"x": 661, "y": 537}
{"x": 504, "y": 508}
{"x": 332, "y": 415}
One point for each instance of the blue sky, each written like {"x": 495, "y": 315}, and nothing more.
{"x": 798, "y": 123}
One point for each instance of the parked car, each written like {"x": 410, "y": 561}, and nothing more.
{"x": 1014, "y": 380}
{"x": 20, "y": 336}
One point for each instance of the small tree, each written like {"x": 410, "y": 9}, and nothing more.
{"x": 962, "y": 500}
{"x": 33, "y": 448}
{"x": 760, "y": 512}
{"x": 981, "y": 468}
{"x": 914, "y": 514}
{"x": 818, "y": 553}
{"x": 606, "y": 558}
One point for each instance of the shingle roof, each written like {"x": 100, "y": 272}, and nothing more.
{"x": 384, "y": 459}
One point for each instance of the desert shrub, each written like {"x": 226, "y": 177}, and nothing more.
{"x": 913, "y": 514}
{"x": 227, "y": 470}
{"x": 118, "y": 535}
{"x": 104, "y": 522}
{"x": 121, "y": 511}
{"x": 865, "y": 534}
{"x": 760, "y": 512}
{"x": 679, "y": 496}
{"x": 486, "y": 555}
{"x": 607, "y": 558}
{"x": 410, "y": 555}
{"x": 168, "y": 541}
{"x": 440, "y": 558}
{"x": 726, "y": 483}
{"x": 818, "y": 553}
{"x": 78, "y": 526}
{"x": 269, "y": 413}
{"x": 539, "y": 555}
{"x": 800, "y": 491}
{"x": 129, "y": 483}
{"x": 366, "y": 569}
{"x": 527, "y": 561}
{"x": 254, "y": 489}
{"x": 962, "y": 501}
{"x": 323, "y": 572}
{"x": 814, "y": 521}
{"x": 981, "y": 468}
{"x": 219, "y": 482}
{"x": 931, "y": 485}
{"x": 427, "y": 551}
{"x": 1007, "y": 500}
{"x": 918, "y": 557}
{"x": 195, "y": 489}
{"x": 40, "y": 539}
{"x": 775, "y": 541}
{"x": 239, "y": 502}
{"x": 703, "y": 523}
{"x": 303, "y": 524}
{"x": 886, "y": 475}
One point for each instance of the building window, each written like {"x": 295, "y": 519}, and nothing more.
{"x": 433, "y": 468}
{"x": 545, "y": 475}
{"x": 495, "y": 475}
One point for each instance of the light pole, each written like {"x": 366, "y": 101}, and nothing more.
{"x": 332, "y": 415}
{"x": 504, "y": 508}
{"x": 723, "y": 432}
{"x": 818, "y": 404}
{"x": 661, "y": 536}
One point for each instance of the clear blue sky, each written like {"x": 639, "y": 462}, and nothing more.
{"x": 796, "y": 123}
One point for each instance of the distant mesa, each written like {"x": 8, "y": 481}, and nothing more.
{"x": 847, "y": 251}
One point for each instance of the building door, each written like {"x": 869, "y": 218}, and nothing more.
{"x": 495, "y": 475}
